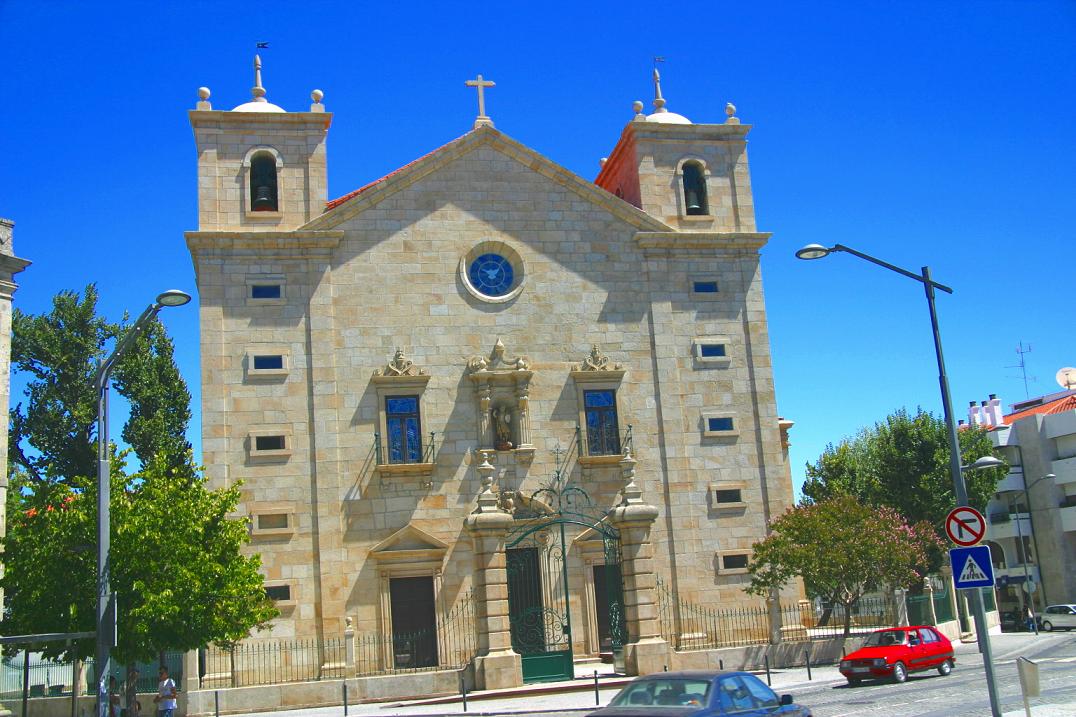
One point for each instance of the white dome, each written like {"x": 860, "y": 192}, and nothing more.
{"x": 259, "y": 107}
{"x": 667, "y": 118}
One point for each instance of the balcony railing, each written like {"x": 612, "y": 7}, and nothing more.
{"x": 426, "y": 451}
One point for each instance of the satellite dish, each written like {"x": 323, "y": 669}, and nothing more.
{"x": 1066, "y": 377}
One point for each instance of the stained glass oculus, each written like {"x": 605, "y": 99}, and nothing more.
{"x": 491, "y": 275}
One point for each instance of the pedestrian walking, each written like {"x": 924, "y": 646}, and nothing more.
{"x": 166, "y": 694}
{"x": 130, "y": 693}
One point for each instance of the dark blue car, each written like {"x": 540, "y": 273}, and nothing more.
{"x": 699, "y": 693}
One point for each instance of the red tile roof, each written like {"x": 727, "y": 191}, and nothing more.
{"x": 1065, "y": 403}
{"x": 334, "y": 203}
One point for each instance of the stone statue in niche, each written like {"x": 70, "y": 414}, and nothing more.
{"x": 502, "y": 428}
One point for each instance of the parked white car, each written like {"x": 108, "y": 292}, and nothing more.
{"x": 1059, "y": 617}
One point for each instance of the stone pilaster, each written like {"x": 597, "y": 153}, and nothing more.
{"x": 645, "y": 651}
{"x": 497, "y": 664}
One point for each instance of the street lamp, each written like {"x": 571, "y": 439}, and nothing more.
{"x": 817, "y": 251}
{"x": 106, "y": 602}
{"x": 1031, "y": 524}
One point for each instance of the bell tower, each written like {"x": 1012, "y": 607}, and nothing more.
{"x": 693, "y": 177}
{"x": 260, "y": 168}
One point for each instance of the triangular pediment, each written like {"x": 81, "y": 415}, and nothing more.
{"x": 353, "y": 204}
{"x": 409, "y": 543}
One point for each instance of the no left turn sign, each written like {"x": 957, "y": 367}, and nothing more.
{"x": 965, "y": 526}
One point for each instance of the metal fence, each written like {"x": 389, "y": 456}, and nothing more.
{"x": 692, "y": 627}
{"x": 50, "y": 678}
{"x": 273, "y": 662}
{"x": 450, "y": 644}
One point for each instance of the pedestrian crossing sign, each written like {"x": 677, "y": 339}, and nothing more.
{"x": 972, "y": 567}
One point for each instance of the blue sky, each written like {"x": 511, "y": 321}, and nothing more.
{"x": 937, "y": 133}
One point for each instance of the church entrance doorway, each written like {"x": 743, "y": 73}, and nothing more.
{"x": 541, "y": 569}
{"x": 414, "y": 631}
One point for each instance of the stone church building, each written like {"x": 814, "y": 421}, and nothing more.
{"x": 483, "y": 379}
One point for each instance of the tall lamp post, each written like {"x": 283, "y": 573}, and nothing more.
{"x": 817, "y": 251}
{"x": 1035, "y": 543}
{"x": 106, "y": 602}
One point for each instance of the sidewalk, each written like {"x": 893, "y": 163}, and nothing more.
{"x": 578, "y": 694}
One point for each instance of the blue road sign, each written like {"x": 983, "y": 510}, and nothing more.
{"x": 972, "y": 567}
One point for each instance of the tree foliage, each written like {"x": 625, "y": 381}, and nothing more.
{"x": 842, "y": 549}
{"x": 177, "y": 567}
{"x": 903, "y": 462}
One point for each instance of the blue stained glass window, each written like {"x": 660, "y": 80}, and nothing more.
{"x": 603, "y": 433}
{"x": 712, "y": 350}
{"x": 491, "y": 275}
{"x": 404, "y": 431}
{"x": 719, "y": 424}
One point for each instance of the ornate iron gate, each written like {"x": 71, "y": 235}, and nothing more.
{"x": 539, "y": 603}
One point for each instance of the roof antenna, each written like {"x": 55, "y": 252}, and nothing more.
{"x": 1022, "y": 365}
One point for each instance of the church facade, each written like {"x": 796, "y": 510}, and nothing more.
{"x": 561, "y": 402}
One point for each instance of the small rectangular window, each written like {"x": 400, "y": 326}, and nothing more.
{"x": 719, "y": 423}
{"x": 728, "y": 496}
{"x": 278, "y": 593}
{"x": 269, "y": 443}
{"x": 704, "y": 287}
{"x": 711, "y": 350}
{"x": 265, "y": 291}
{"x": 273, "y": 521}
{"x": 266, "y": 363}
{"x": 736, "y": 561}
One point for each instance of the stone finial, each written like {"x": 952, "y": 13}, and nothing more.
{"x": 637, "y": 107}
{"x": 498, "y": 361}
{"x": 659, "y": 101}
{"x": 317, "y": 96}
{"x": 630, "y": 492}
{"x": 347, "y": 622}
{"x": 257, "y": 91}
{"x": 203, "y": 99}
{"x": 602, "y": 161}
{"x": 730, "y": 110}
{"x": 487, "y": 499}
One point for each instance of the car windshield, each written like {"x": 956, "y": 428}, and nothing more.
{"x": 884, "y": 638}
{"x": 664, "y": 692}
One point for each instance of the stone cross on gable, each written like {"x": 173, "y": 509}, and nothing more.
{"x": 481, "y": 84}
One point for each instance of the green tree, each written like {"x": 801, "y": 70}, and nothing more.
{"x": 842, "y": 549}
{"x": 903, "y": 462}
{"x": 177, "y": 566}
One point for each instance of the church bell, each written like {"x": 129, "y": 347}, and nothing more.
{"x": 693, "y": 205}
{"x": 263, "y": 199}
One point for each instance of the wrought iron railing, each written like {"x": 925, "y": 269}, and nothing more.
{"x": 687, "y": 626}
{"x": 450, "y": 644}
{"x": 428, "y": 451}
{"x": 48, "y": 678}
{"x": 274, "y": 661}
{"x": 604, "y": 441}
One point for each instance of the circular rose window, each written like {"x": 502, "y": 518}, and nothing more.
{"x": 492, "y": 272}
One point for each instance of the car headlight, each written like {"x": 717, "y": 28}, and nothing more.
{"x": 878, "y": 662}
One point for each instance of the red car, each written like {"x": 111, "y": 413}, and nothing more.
{"x": 897, "y": 651}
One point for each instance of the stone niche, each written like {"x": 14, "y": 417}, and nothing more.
{"x": 502, "y": 389}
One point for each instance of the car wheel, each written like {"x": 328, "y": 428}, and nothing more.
{"x": 900, "y": 672}
{"x": 945, "y": 668}
{"x": 1047, "y": 626}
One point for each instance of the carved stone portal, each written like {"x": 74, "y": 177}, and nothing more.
{"x": 502, "y": 391}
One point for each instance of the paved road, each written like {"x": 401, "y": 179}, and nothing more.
{"x": 963, "y": 693}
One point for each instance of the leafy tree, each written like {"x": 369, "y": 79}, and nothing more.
{"x": 903, "y": 462}
{"x": 177, "y": 566}
{"x": 842, "y": 549}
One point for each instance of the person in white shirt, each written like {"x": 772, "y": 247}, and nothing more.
{"x": 166, "y": 694}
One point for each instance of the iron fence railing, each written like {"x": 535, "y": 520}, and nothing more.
{"x": 273, "y": 662}
{"x": 427, "y": 451}
{"x": 450, "y": 644}
{"x": 693, "y": 627}
{"x": 48, "y": 678}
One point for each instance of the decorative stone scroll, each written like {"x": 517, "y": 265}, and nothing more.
{"x": 399, "y": 366}
{"x": 597, "y": 361}
{"x": 502, "y": 392}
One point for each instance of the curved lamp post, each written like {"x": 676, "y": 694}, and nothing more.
{"x": 817, "y": 251}
{"x": 106, "y": 602}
